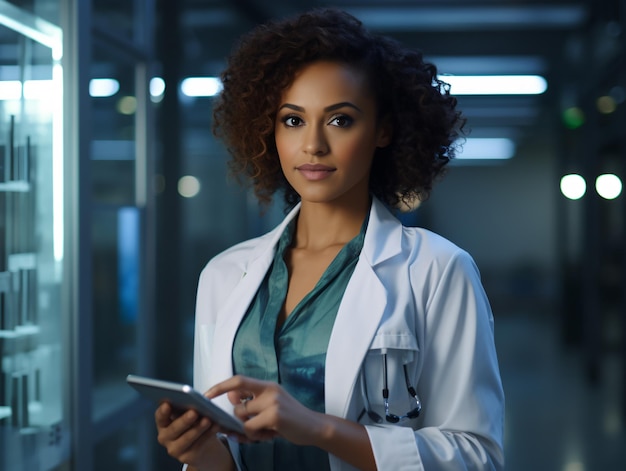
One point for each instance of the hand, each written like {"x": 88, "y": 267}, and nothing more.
{"x": 268, "y": 410}
{"x": 191, "y": 439}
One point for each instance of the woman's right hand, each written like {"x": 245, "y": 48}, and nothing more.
{"x": 192, "y": 439}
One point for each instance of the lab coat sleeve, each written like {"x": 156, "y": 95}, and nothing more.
{"x": 461, "y": 425}
{"x": 207, "y": 300}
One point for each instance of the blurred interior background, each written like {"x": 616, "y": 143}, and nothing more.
{"x": 114, "y": 194}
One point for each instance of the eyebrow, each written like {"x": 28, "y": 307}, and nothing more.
{"x": 334, "y": 107}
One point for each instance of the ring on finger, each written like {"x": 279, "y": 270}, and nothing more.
{"x": 245, "y": 400}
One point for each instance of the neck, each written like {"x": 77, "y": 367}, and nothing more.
{"x": 323, "y": 225}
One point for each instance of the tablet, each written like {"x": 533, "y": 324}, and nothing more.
{"x": 183, "y": 396}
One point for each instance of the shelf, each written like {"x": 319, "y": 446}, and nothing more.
{"x": 5, "y": 412}
{"x": 16, "y": 187}
{"x": 20, "y": 331}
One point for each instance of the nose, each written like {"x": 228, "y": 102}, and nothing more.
{"x": 316, "y": 142}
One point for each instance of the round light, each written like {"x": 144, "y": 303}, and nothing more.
{"x": 573, "y": 117}
{"x": 157, "y": 86}
{"x": 573, "y": 186}
{"x": 188, "y": 186}
{"x": 127, "y": 105}
{"x": 606, "y": 104}
{"x": 608, "y": 186}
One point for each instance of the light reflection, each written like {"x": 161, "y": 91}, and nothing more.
{"x": 57, "y": 164}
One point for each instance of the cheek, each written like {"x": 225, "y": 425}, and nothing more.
{"x": 357, "y": 152}
{"x": 285, "y": 145}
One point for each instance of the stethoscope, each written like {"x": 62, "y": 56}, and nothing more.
{"x": 389, "y": 417}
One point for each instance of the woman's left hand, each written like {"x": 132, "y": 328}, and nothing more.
{"x": 268, "y": 410}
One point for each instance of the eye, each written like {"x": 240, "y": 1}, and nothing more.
{"x": 292, "y": 121}
{"x": 341, "y": 121}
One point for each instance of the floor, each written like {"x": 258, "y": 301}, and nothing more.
{"x": 556, "y": 420}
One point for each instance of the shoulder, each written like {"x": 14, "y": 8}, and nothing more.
{"x": 434, "y": 255}
{"x": 426, "y": 244}
{"x": 387, "y": 238}
{"x": 235, "y": 259}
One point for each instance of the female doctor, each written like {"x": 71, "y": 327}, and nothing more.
{"x": 342, "y": 339}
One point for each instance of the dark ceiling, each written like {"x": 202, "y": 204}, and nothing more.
{"x": 548, "y": 37}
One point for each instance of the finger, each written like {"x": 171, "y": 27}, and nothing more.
{"x": 162, "y": 415}
{"x": 244, "y": 408}
{"x": 245, "y": 384}
{"x": 257, "y": 429}
{"x": 180, "y": 425}
{"x": 240, "y": 396}
{"x": 188, "y": 439}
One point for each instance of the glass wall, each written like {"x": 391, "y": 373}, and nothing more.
{"x": 75, "y": 238}
{"x": 34, "y": 425}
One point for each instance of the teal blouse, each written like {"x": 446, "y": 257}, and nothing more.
{"x": 295, "y": 354}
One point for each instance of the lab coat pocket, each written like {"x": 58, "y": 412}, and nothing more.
{"x": 388, "y": 381}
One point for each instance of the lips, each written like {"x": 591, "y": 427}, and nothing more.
{"x": 315, "y": 172}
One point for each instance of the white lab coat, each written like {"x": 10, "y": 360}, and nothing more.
{"x": 414, "y": 295}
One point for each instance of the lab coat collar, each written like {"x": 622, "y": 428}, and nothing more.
{"x": 382, "y": 239}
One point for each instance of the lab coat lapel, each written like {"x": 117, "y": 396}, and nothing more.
{"x": 357, "y": 320}
{"x": 234, "y": 309}
{"x": 361, "y": 310}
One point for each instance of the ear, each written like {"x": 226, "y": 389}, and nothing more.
{"x": 385, "y": 132}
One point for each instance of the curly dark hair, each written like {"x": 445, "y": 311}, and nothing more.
{"x": 423, "y": 114}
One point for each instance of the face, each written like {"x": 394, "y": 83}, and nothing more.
{"x": 326, "y": 133}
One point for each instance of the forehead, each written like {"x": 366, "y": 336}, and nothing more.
{"x": 328, "y": 81}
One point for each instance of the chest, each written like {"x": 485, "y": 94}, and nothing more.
{"x": 305, "y": 268}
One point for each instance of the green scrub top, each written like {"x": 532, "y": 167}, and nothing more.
{"x": 295, "y": 355}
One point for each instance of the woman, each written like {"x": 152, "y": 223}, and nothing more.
{"x": 342, "y": 339}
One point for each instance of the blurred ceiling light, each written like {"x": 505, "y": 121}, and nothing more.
{"x": 608, "y": 186}
{"x": 157, "y": 86}
{"x": 201, "y": 86}
{"x": 495, "y": 84}
{"x": 486, "y": 148}
{"x": 103, "y": 87}
{"x": 188, "y": 186}
{"x": 573, "y": 186}
{"x": 460, "y": 85}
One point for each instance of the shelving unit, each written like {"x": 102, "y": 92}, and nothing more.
{"x": 31, "y": 276}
